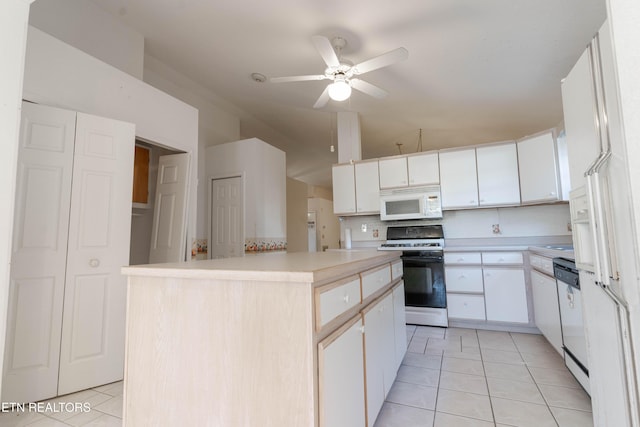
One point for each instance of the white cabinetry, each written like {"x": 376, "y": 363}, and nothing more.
{"x": 356, "y": 188}
{"x": 465, "y": 289}
{"x": 424, "y": 169}
{"x": 413, "y": 170}
{"x": 486, "y": 286}
{"x": 399, "y": 323}
{"x": 498, "y": 182}
{"x": 505, "y": 295}
{"x": 393, "y": 172}
{"x": 341, "y": 377}
{"x": 539, "y": 169}
{"x": 380, "y": 356}
{"x": 545, "y": 307}
{"x": 458, "y": 179}
{"x": 367, "y": 187}
{"x": 344, "y": 189}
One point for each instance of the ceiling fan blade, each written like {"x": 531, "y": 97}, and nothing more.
{"x": 325, "y": 49}
{"x": 323, "y": 99}
{"x": 297, "y": 78}
{"x": 391, "y": 57}
{"x": 368, "y": 88}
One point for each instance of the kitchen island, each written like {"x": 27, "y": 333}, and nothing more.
{"x": 263, "y": 340}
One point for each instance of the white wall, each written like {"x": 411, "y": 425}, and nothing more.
{"x": 215, "y": 124}
{"x": 84, "y": 25}
{"x": 58, "y": 74}
{"x": 13, "y": 37}
{"x": 517, "y": 222}
{"x": 327, "y": 224}
{"x": 264, "y": 169}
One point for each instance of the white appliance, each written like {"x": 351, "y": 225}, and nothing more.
{"x": 411, "y": 203}
{"x": 605, "y": 248}
{"x": 571, "y": 320}
{"x": 425, "y": 292}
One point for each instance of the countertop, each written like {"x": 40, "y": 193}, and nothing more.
{"x": 270, "y": 267}
{"x": 550, "y": 251}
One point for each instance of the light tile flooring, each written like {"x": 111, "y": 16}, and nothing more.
{"x": 449, "y": 378}
{"x": 465, "y": 377}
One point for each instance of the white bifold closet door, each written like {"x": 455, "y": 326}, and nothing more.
{"x": 65, "y": 329}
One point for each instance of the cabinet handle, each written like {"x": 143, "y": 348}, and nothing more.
{"x": 362, "y": 329}
{"x": 553, "y": 193}
{"x": 582, "y": 211}
{"x": 346, "y": 299}
{"x": 94, "y": 263}
{"x": 462, "y": 277}
{"x": 460, "y": 259}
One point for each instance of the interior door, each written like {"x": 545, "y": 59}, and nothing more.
{"x": 227, "y": 218}
{"x": 92, "y": 346}
{"x": 169, "y": 231}
{"x": 36, "y": 290}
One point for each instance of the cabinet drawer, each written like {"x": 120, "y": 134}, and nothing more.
{"x": 334, "y": 299}
{"x": 502, "y": 258}
{"x": 461, "y": 279}
{"x": 462, "y": 306}
{"x": 396, "y": 270}
{"x": 462, "y": 258}
{"x": 373, "y": 280}
{"x": 541, "y": 263}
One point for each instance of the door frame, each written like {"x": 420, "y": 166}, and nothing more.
{"x": 210, "y": 180}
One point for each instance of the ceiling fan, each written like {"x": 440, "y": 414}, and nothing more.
{"x": 342, "y": 72}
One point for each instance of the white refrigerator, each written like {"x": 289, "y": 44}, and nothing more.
{"x": 603, "y": 231}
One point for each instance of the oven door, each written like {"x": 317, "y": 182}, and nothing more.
{"x": 424, "y": 280}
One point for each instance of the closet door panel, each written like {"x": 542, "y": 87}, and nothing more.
{"x": 39, "y": 253}
{"x": 92, "y": 349}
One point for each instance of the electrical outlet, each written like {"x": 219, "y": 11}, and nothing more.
{"x": 363, "y": 227}
{"x": 496, "y": 228}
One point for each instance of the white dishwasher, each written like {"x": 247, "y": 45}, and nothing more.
{"x": 573, "y": 336}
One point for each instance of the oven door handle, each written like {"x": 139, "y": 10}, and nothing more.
{"x": 430, "y": 260}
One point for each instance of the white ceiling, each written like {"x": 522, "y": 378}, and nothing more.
{"x": 478, "y": 71}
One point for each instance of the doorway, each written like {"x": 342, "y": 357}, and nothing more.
{"x": 142, "y": 213}
{"x": 226, "y": 217}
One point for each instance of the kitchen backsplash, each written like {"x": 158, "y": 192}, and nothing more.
{"x": 265, "y": 244}
{"x": 492, "y": 223}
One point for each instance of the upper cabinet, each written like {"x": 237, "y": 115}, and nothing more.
{"x": 344, "y": 189}
{"x": 423, "y": 169}
{"x": 413, "y": 170}
{"x": 355, "y": 188}
{"x": 393, "y": 172}
{"x": 539, "y": 160}
{"x": 498, "y": 182}
{"x": 367, "y": 187}
{"x": 458, "y": 179}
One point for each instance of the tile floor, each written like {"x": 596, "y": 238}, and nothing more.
{"x": 449, "y": 378}
{"x": 465, "y": 377}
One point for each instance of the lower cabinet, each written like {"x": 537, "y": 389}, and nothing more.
{"x": 505, "y": 294}
{"x": 546, "y": 308}
{"x": 399, "y": 324}
{"x": 341, "y": 377}
{"x": 380, "y": 356}
{"x": 462, "y": 306}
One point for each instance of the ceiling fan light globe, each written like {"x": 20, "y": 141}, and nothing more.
{"x": 339, "y": 91}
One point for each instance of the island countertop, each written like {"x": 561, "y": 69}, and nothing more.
{"x": 269, "y": 267}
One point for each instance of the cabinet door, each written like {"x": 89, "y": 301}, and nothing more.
{"x": 367, "y": 187}
{"x": 39, "y": 253}
{"x": 399, "y": 324}
{"x": 423, "y": 169}
{"x": 344, "y": 189}
{"x": 380, "y": 354}
{"x": 498, "y": 182}
{"x": 341, "y": 377}
{"x": 505, "y": 295}
{"x": 546, "y": 309}
{"x": 537, "y": 161}
{"x": 93, "y": 326}
{"x": 458, "y": 180}
{"x": 393, "y": 172}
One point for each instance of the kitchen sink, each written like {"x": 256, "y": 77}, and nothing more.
{"x": 560, "y": 247}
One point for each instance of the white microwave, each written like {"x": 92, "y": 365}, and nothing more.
{"x": 411, "y": 203}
